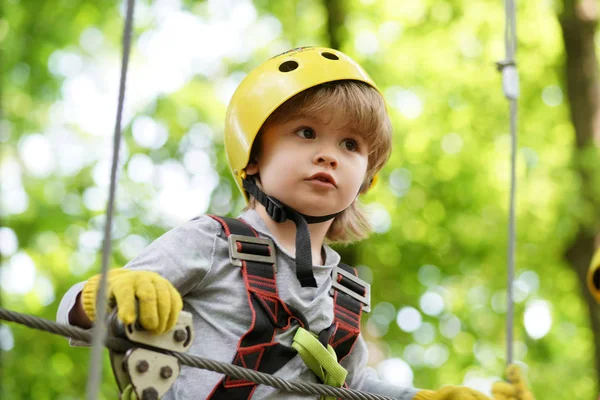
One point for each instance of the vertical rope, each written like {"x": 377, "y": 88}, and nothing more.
{"x": 511, "y": 235}
{"x": 510, "y": 84}
{"x": 99, "y": 331}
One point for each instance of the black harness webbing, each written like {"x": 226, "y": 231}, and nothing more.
{"x": 257, "y": 349}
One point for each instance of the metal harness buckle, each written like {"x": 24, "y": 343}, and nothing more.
{"x": 236, "y": 257}
{"x": 335, "y": 285}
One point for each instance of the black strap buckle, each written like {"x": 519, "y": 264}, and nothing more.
{"x": 335, "y": 285}
{"x": 236, "y": 256}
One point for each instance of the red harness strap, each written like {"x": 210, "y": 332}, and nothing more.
{"x": 256, "y": 348}
{"x": 351, "y": 296}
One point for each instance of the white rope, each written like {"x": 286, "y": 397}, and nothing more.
{"x": 99, "y": 331}
{"x": 510, "y": 84}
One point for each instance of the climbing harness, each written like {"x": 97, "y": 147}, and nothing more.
{"x": 256, "y": 349}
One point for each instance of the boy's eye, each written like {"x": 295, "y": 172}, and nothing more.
{"x": 306, "y": 133}
{"x": 350, "y": 144}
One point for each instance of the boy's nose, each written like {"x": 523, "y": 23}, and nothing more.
{"x": 325, "y": 158}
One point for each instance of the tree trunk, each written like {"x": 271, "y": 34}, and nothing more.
{"x": 579, "y": 22}
{"x": 336, "y": 14}
{"x": 336, "y": 11}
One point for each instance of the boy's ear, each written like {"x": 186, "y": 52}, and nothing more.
{"x": 251, "y": 168}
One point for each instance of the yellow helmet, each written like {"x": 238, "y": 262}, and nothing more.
{"x": 271, "y": 84}
{"x": 593, "y": 276}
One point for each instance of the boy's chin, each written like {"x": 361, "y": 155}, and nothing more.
{"x": 312, "y": 209}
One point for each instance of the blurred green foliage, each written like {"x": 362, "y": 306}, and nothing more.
{"x": 440, "y": 209}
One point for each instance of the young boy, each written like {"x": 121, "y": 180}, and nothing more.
{"x": 306, "y": 133}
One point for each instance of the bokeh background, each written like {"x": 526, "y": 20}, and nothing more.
{"x": 437, "y": 262}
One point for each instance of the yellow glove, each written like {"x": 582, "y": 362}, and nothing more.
{"x": 159, "y": 302}
{"x": 514, "y": 389}
{"x": 451, "y": 393}
{"x": 504, "y": 391}
{"x": 593, "y": 276}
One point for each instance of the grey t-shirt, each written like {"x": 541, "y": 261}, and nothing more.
{"x": 195, "y": 258}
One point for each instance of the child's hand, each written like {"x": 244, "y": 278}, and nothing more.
{"x": 515, "y": 388}
{"x": 159, "y": 302}
{"x": 451, "y": 393}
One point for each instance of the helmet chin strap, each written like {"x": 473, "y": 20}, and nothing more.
{"x": 279, "y": 212}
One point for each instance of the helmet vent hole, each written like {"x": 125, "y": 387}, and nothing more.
{"x": 330, "y": 56}
{"x": 288, "y": 66}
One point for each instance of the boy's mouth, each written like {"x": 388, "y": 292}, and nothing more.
{"x": 323, "y": 177}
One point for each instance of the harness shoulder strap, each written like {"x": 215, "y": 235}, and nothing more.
{"x": 256, "y": 348}
{"x": 351, "y": 296}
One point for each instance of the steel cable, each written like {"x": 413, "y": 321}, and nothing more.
{"x": 233, "y": 371}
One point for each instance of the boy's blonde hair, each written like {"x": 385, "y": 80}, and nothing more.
{"x": 364, "y": 109}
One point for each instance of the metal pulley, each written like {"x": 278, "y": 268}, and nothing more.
{"x": 148, "y": 369}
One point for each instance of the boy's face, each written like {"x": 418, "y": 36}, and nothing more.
{"x": 316, "y": 166}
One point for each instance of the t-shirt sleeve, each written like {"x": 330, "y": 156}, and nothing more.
{"x": 359, "y": 377}
{"x": 64, "y": 308}
{"x": 183, "y": 255}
